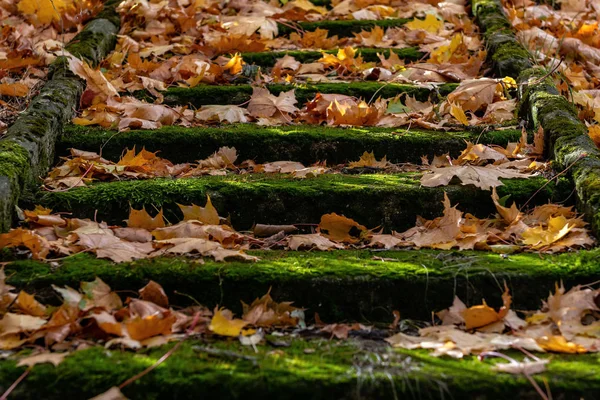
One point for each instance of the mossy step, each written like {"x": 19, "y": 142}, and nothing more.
{"x": 269, "y": 58}
{"x": 238, "y": 94}
{"x": 341, "y": 285}
{"x": 341, "y": 28}
{"x": 307, "y": 369}
{"x": 392, "y": 201}
{"x": 303, "y": 143}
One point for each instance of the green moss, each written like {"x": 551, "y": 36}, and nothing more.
{"x": 390, "y": 201}
{"x": 505, "y": 54}
{"x": 353, "y": 369}
{"x": 14, "y": 170}
{"x": 343, "y": 28}
{"x": 269, "y": 58}
{"x": 321, "y": 281}
{"x": 238, "y": 94}
{"x": 304, "y": 143}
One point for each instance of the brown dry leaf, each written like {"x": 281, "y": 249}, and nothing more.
{"x": 141, "y": 219}
{"x": 219, "y": 113}
{"x": 369, "y": 160}
{"x": 153, "y": 292}
{"x": 594, "y": 134}
{"x": 106, "y": 245}
{"x": 42, "y": 358}
{"x": 473, "y": 94}
{"x": 282, "y": 167}
{"x": 482, "y": 177}
{"x": 510, "y": 215}
{"x": 14, "y": 89}
{"x": 341, "y": 229}
{"x": 207, "y": 214}
{"x": 29, "y": 305}
{"x": 17, "y": 323}
{"x": 268, "y": 313}
{"x": 114, "y": 393}
{"x": 38, "y": 245}
{"x": 310, "y": 241}
{"x": 95, "y": 79}
{"x": 264, "y": 105}
{"x": 98, "y": 294}
{"x": 222, "y": 158}
{"x": 224, "y": 324}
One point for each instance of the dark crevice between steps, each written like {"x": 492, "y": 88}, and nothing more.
{"x": 386, "y": 200}
{"x": 27, "y": 149}
{"x": 269, "y": 58}
{"x": 414, "y": 282}
{"x": 303, "y": 143}
{"x": 238, "y": 94}
{"x": 341, "y": 28}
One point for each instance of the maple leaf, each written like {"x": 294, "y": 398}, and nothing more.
{"x": 220, "y": 113}
{"x": 207, "y": 214}
{"x": 235, "y": 64}
{"x": 482, "y": 177}
{"x": 17, "y": 323}
{"x": 264, "y": 104}
{"x": 458, "y": 113}
{"x": 38, "y": 245}
{"x": 95, "y": 79}
{"x": 369, "y": 160}
{"x": 539, "y": 237}
{"x": 149, "y": 326}
{"x": 341, "y": 229}
{"x": 224, "y": 324}
{"x": 42, "y": 358}
{"x": 317, "y": 39}
{"x": 474, "y": 94}
{"x": 29, "y": 305}
{"x": 141, "y": 219}
{"x": 266, "y": 312}
{"x": 44, "y": 11}
{"x": 310, "y": 241}
{"x": 114, "y": 393}
{"x": 482, "y": 315}
{"x": 13, "y": 89}
{"x": 430, "y": 24}
{"x": 98, "y": 294}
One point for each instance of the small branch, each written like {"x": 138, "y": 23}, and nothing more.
{"x": 15, "y": 383}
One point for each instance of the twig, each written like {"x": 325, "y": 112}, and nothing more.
{"x": 15, "y": 383}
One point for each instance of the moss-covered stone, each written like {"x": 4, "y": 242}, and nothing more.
{"x": 304, "y": 143}
{"x": 35, "y": 130}
{"x": 238, "y": 94}
{"x": 505, "y": 54}
{"x": 390, "y": 201}
{"x": 567, "y": 141}
{"x": 342, "y": 28}
{"x": 307, "y": 368}
{"x": 14, "y": 163}
{"x": 415, "y": 282}
{"x": 269, "y": 58}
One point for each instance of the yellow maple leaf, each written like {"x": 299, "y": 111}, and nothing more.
{"x": 44, "y": 11}
{"x": 224, "y": 324}
{"x": 430, "y": 24}
{"x": 538, "y": 237}
{"x": 559, "y": 344}
{"x": 207, "y": 215}
{"x": 141, "y": 219}
{"x": 369, "y": 160}
{"x": 444, "y": 53}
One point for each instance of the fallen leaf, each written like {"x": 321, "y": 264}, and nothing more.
{"x": 224, "y": 324}
{"x": 207, "y": 214}
{"x": 341, "y": 229}
{"x": 42, "y": 358}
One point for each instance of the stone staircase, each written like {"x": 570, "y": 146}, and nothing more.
{"x": 345, "y": 285}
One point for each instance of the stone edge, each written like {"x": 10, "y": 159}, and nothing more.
{"x": 541, "y": 104}
{"x": 27, "y": 149}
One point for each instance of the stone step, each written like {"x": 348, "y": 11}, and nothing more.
{"x": 269, "y": 58}
{"x": 341, "y": 285}
{"x": 303, "y": 143}
{"x": 306, "y": 369}
{"x": 389, "y": 200}
{"x": 238, "y": 94}
{"x": 341, "y": 28}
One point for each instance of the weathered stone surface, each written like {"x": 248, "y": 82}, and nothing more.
{"x": 27, "y": 149}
